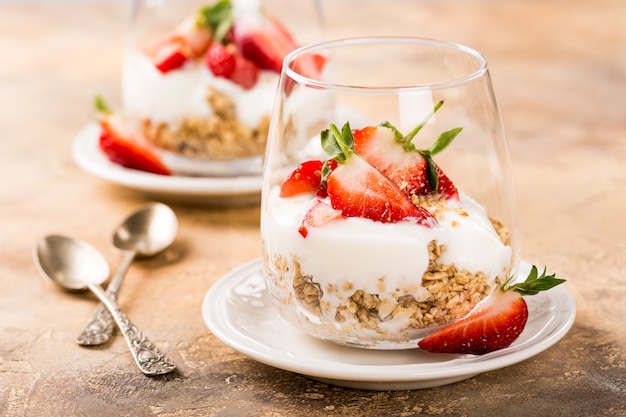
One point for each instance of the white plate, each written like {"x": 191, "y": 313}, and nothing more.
{"x": 204, "y": 190}
{"x": 239, "y": 312}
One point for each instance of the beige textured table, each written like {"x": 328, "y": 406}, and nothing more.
{"x": 559, "y": 68}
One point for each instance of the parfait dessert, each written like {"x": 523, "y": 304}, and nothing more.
{"x": 376, "y": 244}
{"x": 398, "y": 229}
{"x": 204, "y": 92}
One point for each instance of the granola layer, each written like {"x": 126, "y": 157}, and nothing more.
{"x": 443, "y": 294}
{"x": 220, "y": 136}
{"x": 452, "y": 293}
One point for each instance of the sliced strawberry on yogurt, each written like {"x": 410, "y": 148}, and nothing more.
{"x": 495, "y": 323}
{"x": 188, "y": 41}
{"x": 262, "y": 40}
{"x": 221, "y": 59}
{"x": 306, "y": 178}
{"x": 246, "y": 73}
{"x": 445, "y": 186}
{"x": 411, "y": 169}
{"x": 225, "y": 61}
{"x": 120, "y": 144}
{"x": 359, "y": 190}
{"x": 377, "y": 144}
{"x": 318, "y": 215}
{"x": 168, "y": 56}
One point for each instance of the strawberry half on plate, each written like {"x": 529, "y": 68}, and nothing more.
{"x": 495, "y": 323}
{"x": 120, "y": 144}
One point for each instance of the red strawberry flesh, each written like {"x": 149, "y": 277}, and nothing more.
{"x": 221, "y": 60}
{"x": 494, "y": 324}
{"x": 189, "y": 41}
{"x": 359, "y": 190}
{"x": 407, "y": 169}
{"x": 121, "y": 149}
{"x": 306, "y": 178}
{"x": 246, "y": 73}
{"x": 168, "y": 57}
{"x": 318, "y": 215}
{"x": 262, "y": 41}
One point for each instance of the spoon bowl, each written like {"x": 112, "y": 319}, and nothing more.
{"x": 147, "y": 231}
{"x": 75, "y": 266}
{"x": 70, "y": 263}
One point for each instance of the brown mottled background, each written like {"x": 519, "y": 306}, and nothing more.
{"x": 559, "y": 69}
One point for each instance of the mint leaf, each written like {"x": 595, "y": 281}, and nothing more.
{"x": 101, "y": 106}
{"x": 339, "y": 145}
{"x": 444, "y": 140}
{"x": 329, "y": 143}
{"x": 536, "y": 283}
{"x": 218, "y": 18}
{"x": 348, "y": 139}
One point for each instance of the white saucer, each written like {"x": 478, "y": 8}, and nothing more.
{"x": 239, "y": 312}
{"x": 240, "y": 190}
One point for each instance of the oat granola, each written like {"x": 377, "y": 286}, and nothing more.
{"x": 220, "y": 136}
{"x": 450, "y": 293}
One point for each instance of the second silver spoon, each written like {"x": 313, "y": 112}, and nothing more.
{"x": 76, "y": 266}
{"x": 146, "y": 232}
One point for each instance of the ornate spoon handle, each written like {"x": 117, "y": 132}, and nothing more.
{"x": 147, "y": 356}
{"x": 99, "y": 327}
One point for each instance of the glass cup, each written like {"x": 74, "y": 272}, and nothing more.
{"x": 203, "y": 116}
{"x": 336, "y": 264}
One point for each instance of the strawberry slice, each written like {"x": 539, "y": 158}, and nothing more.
{"x": 221, "y": 59}
{"x": 445, "y": 186}
{"x": 225, "y": 61}
{"x": 318, "y": 215}
{"x": 377, "y": 144}
{"x": 262, "y": 40}
{"x": 493, "y": 324}
{"x": 306, "y": 178}
{"x": 128, "y": 153}
{"x": 119, "y": 144}
{"x": 168, "y": 56}
{"x": 188, "y": 41}
{"x": 359, "y": 190}
{"x": 246, "y": 72}
{"x": 411, "y": 169}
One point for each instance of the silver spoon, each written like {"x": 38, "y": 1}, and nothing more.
{"x": 75, "y": 266}
{"x": 146, "y": 232}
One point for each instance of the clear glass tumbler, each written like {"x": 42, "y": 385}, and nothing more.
{"x": 199, "y": 78}
{"x": 388, "y": 207}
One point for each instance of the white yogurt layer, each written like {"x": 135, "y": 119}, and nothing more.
{"x": 149, "y": 94}
{"x": 360, "y": 251}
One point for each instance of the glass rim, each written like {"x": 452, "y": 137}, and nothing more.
{"x": 431, "y": 42}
